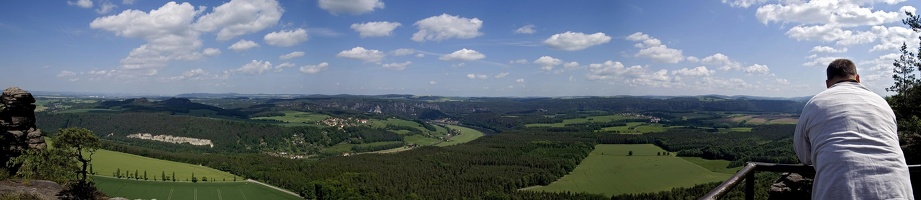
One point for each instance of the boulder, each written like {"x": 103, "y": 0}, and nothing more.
{"x": 791, "y": 186}
{"x": 14, "y": 95}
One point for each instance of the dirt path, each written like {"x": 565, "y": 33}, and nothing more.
{"x": 273, "y": 187}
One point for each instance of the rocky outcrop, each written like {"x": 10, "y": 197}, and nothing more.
{"x": 17, "y": 123}
{"x": 791, "y": 186}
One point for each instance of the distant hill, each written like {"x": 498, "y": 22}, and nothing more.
{"x": 173, "y": 105}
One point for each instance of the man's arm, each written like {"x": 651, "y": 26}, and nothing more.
{"x": 801, "y": 143}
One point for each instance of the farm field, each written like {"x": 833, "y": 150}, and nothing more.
{"x": 713, "y": 165}
{"x": 420, "y": 140}
{"x": 467, "y": 135}
{"x": 637, "y": 128}
{"x": 604, "y": 118}
{"x": 343, "y": 147}
{"x": 609, "y": 170}
{"x": 761, "y": 119}
{"x": 139, "y": 189}
{"x": 296, "y": 118}
{"x": 106, "y": 163}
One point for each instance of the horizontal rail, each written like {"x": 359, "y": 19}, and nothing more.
{"x": 747, "y": 173}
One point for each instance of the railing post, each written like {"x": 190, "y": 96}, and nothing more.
{"x": 750, "y": 186}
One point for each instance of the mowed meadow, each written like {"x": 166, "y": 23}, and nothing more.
{"x": 220, "y": 185}
{"x": 133, "y": 189}
{"x": 611, "y": 170}
{"x": 107, "y": 163}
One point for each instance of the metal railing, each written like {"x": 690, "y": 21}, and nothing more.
{"x": 747, "y": 173}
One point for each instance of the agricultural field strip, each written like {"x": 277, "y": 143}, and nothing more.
{"x": 643, "y": 165}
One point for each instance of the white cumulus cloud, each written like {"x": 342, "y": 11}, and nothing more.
{"x": 526, "y": 29}
{"x": 313, "y": 69}
{"x": 827, "y": 49}
{"x": 573, "y": 41}
{"x": 239, "y": 17}
{"x": 721, "y": 61}
{"x": 375, "y": 29}
{"x": 756, "y": 68}
{"x": 502, "y": 75}
{"x": 360, "y": 53}
{"x": 444, "y": 26}
{"x": 397, "y": 66}
{"x": 254, "y": 67}
{"x": 354, "y": 7}
{"x": 463, "y": 55}
{"x": 403, "y": 52}
{"x": 633, "y": 76}
{"x": 547, "y": 63}
{"x": 291, "y": 55}
{"x": 477, "y": 76}
{"x": 106, "y": 7}
{"x": 697, "y": 71}
{"x": 211, "y": 52}
{"x": 286, "y": 38}
{"x": 195, "y": 74}
{"x": 653, "y": 49}
{"x": 81, "y": 3}
{"x": 281, "y": 67}
{"x": 243, "y": 45}
{"x": 519, "y": 61}
{"x": 172, "y": 32}
{"x": 520, "y": 80}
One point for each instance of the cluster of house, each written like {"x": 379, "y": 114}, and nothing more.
{"x": 340, "y": 122}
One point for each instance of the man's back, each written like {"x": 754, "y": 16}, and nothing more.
{"x": 849, "y": 134}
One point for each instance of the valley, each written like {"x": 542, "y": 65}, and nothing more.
{"x": 401, "y": 146}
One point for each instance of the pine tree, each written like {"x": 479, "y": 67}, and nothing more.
{"x": 907, "y": 87}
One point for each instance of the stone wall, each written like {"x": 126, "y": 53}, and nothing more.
{"x": 17, "y": 124}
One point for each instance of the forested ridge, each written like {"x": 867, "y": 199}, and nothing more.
{"x": 228, "y": 136}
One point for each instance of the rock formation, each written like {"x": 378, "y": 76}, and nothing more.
{"x": 791, "y": 186}
{"x": 17, "y": 124}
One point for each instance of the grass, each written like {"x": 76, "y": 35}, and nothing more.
{"x": 637, "y": 128}
{"x": 240, "y": 190}
{"x": 106, "y": 162}
{"x": 467, "y": 135}
{"x": 603, "y": 118}
{"x": 718, "y": 166}
{"x": 344, "y": 147}
{"x": 420, "y": 140}
{"x": 609, "y": 171}
{"x": 296, "y": 118}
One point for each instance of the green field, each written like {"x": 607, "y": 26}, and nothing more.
{"x": 344, "y": 147}
{"x": 713, "y": 165}
{"x": 467, "y": 135}
{"x": 637, "y": 128}
{"x": 603, "y": 118}
{"x": 420, "y": 140}
{"x": 296, "y": 118}
{"x": 241, "y": 190}
{"x": 106, "y": 162}
{"x": 609, "y": 171}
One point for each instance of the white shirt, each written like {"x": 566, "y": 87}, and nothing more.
{"x": 849, "y": 134}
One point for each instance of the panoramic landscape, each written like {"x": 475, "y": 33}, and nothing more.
{"x": 378, "y": 99}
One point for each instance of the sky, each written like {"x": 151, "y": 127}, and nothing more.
{"x": 508, "y": 48}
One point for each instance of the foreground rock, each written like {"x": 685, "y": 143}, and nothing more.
{"x": 41, "y": 189}
{"x": 17, "y": 124}
{"x": 791, "y": 186}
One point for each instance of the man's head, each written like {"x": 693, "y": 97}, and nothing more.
{"x": 841, "y": 70}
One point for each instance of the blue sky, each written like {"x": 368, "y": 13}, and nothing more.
{"x": 448, "y": 48}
